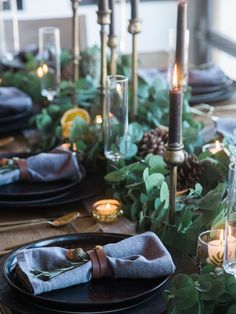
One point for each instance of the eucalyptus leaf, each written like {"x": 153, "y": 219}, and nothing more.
{"x": 153, "y": 181}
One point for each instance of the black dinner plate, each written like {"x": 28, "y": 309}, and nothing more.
{"x": 13, "y": 117}
{"x": 91, "y": 185}
{"x": 97, "y": 295}
{"x": 23, "y": 190}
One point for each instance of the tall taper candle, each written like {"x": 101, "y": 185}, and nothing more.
{"x": 180, "y": 40}
{"x": 103, "y": 5}
{"x": 175, "y": 112}
{"x": 112, "y": 25}
{"x": 134, "y": 9}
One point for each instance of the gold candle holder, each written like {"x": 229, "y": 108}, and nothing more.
{"x": 103, "y": 19}
{"x": 75, "y": 39}
{"x": 107, "y": 210}
{"x": 134, "y": 29}
{"x": 112, "y": 44}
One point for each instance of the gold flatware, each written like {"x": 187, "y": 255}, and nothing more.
{"x": 58, "y": 222}
{"x": 94, "y": 228}
{"x": 6, "y": 140}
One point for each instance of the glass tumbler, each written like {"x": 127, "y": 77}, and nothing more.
{"x": 115, "y": 118}
{"x": 49, "y": 71}
{"x": 9, "y": 35}
{"x": 230, "y": 224}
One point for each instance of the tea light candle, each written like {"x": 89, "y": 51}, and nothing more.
{"x": 216, "y": 249}
{"x": 213, "y": 148}
{"x": 106, "y": 210}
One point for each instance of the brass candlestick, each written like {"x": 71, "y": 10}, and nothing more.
{"x": 103, "y": 18}
{"x": 75, "y": 39}
{"x": 134, "y": 28}
{"x": 174, "y": 156}
{"x": 112, "y": 44}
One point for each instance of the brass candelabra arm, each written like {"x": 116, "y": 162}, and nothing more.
{"x": 112, "y": 44}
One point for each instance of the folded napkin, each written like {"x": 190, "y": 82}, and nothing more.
{"x": 12, "y": 100}
{"x": 140, "y": 256}
{"x": 226, "y": 127}
{"x": 211, "y": 76}
{"x": 45, "y": 167}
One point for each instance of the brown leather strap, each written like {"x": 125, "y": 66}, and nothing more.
{"x": 105, "y": 268}
{"x": 96, "y": 272}
{"x": 22, "y": 164}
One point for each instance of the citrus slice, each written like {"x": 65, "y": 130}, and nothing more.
{"x": 69, "y": 116}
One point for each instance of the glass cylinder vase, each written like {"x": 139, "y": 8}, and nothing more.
{"x": 116, "y": 118}
{"x": 49, "y": 71}
{"x": 230, "y": 224}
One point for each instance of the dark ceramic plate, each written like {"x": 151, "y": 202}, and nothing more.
{"x": 95, "y": 296}
{"x": 22, "y": 190}
{"x": 91, "y": 185}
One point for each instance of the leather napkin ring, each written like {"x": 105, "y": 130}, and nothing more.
{"x": 100, "y": 266}
{"x": 22, "y": 164}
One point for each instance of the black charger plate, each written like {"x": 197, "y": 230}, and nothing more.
{"x": 91, "y": 185}
{"x": 101, "y": 295}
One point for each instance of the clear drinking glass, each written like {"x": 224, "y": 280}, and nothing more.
{"x": 230, "y": 225}
{"x": 171, "y": 57}
{"x": 9, "y": 35}
{"x": 116, "y": 118}
{"x": 49, "y": 71}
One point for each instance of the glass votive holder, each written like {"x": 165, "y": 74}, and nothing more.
{"x": 211, "y": 248}
{"x": 107, "y": 210}
{"x": 213, "y": 148}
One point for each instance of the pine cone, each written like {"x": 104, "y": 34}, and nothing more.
{"x": 189, "y": 173}
{"x": 153, "y": 141}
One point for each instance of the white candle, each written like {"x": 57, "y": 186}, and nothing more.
{"x": 216, "y": 249}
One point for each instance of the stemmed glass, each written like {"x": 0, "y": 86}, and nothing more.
{"x": 49, "y": 71}
{"x": 230, "y": 225}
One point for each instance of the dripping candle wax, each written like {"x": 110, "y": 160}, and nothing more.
{"x": 175, "y": 112}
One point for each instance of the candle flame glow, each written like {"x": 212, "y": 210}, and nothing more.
{"x": 217, "y": 145}
{"x": 108, "y": 206}
{"x": 65, "y": 146}
{"x": 118, "y": 89}
{"x": 98, "y": 119}
{"x": 40, "y": 72}
{"x": 221, "y": 237}
{"x": 45, "y": 68}
{"x": 175, "y": 78}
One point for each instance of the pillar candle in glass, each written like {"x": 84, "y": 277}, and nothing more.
{"x": 134, "y": 9}
{"x": 175, "y": 112}
{"x": 103, "y": 5}
{"x": 230, "y": 225}
{"x": 181, "y": 40}
{"x": 116, "y": 117}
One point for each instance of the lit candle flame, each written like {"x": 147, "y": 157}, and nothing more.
{"x": 74, "y": 147}
{"x": 40, "y": 72}
{"x": 175, "y": 78}
{"x": 65, "y": 146}
{"x": 118, "y": 89}
{"x": 108, "y": 206}
{"x": 45, "y": 68}
{"x": 98, "y": 119}
{"x": 217, "y": 146}
{"x": 221, "y": 237}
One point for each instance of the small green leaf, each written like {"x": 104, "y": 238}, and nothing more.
{"x": 135, "y": 131}
{"x": 153, "y": 181}
{"x": 165, "y": 194}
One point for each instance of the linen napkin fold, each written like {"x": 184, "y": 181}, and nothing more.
{"x": 226, "y": 127}
{"x": 210, "y": 76}
{"x": 140, "y": 256}
{"x": 45, "y": 167}
{"x": 13, "y": 100}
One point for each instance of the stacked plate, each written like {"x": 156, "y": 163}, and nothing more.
{"x": 97, "y": 296}
{"x": 49, "y": 194}
{"x": 15, "y": 109}
{"x": 209, "y": 84}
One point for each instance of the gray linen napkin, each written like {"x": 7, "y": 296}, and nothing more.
{"x": 13, "y": 100}
{"x": 140, "y": 256}
{"x": 45, "y": 167}
{"x": 226, "y": 127}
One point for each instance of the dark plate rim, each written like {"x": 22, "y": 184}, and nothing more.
{"x": 16, "y": 116}
{"x": 49, "y": 240}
